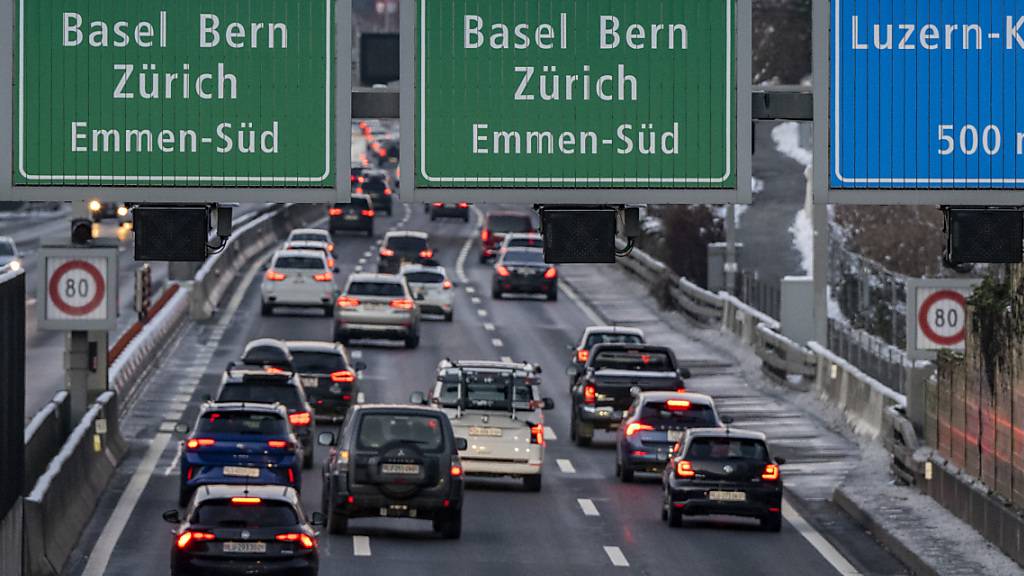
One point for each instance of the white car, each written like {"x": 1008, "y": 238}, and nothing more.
{"x": 431, "y": 288}
{"x": 312, "y": 235}
{"x": 298, "y": 278}
{"x": 9, "y": 257}
{"x": 378, "y": 306}
{"x": 318, "y": 245}
{"x": 497, "y": 407}
{"x": 521, "y": 240}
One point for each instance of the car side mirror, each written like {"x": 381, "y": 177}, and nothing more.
{"x": 780, "y": 461}
{"x": 359, "y": 365}
{"x": 317, "y": 519}
{"x": 181, "y": 428}
{"x": 172, "y": 517}
{"x": 549, "y": 404}
{"x": 325, "y": 439}
{"x": 461, "y": 444}
{"x": 727, "y": 420}
{"x": 572, "y": 372}
{"x": 684, "y": 372}
{"x": 207, "y": 398}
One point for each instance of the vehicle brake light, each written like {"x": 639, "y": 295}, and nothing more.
{"x": 447, "y": 285}
{"x": 537, "y": 434}
{"x": 589, "y": 394}
{"x": 300, "y": 419}
{"x": 303, "y": 539}
{"x": 274, "y": 276}
{"x": 359, "y": 190}
{"x": 191, "y": 471}
{"x": 386, "y": 252}
{"x": 334, "y": 212}
{"x": 681, "y": 390}
{"x": 402, "y": 304}
{"x": 273, "y": 370}
{"x": 330, "y": 262}
{"x": 291, "y": 476}
{"x": 343, "y": 376}
{"x": 684, "y": 469}
{"x": 678, "y": 404}
{"x": 501, "y": 270}
{"x": 246, "y": 500}
{"x": 330, "y": 247}
{"x": 438, "y": 204}
{"x": 323, "y": 277}
{"x": 382, "y": 152}
{"x": 463, "y": 204}
{"x": 485, "y": 235}
{"x": 427, "y": 253}
{"x": 368, "y": 213}
{"x": 635, "y": 427}
{"x": 347, "y": 302}
{"x": 186, "y": 537}
{"x": 195, "y": 443}
{"x": 387, "y": 191}
{"x": 581, "y": 355}
{"x": 551, "y": 273}
{"x": 456, "y": 470}
{"x": 771, "y": 472}
{"x": 277, "y": 443}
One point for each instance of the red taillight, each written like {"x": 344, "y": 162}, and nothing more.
{"x": 386, "y": 252}
{"x": 537, "y": 434}
{"x": 246, "y": 500}
{"x": 300, "y": 419}
{"x": 684, "y": 469}
{"x": 368, "y": 213}
{"x": 402, "y": 304}
{"x": 428, "y": 253}
{"x": 485, "y": 235}
{"x": 581, "y": 355}
{"x": 330, "y": 262}
{"x": 189, "y": 473}
{"x": 678, "y": 404}
{"x": 438, "y": 204}
{"x": 323, "y": 277}
{"x": 303, "y": 539}
{"x": 343, "y": 376}
{"x": 347, "y": 302}
{"x": 681, "y": 390}
{"x": 456, "y": 470}
{"x": 195, "y": 443}
{"x": 334, "y": 212}
{"x": 382, "y": 153}
{"x": 387, "y": 191}
{"x": 447, "y": 285}
{"x": 551, "y": 273}
{"x": 589, "y": 394}
{"x": 279, "y": 444}
{"x": 463, "y": 204}
{"x": 330, "y": 247}
{"x": 771, "y": 472}
{"x": 291, "y": 476}
{"x": 635, "y": 427}
{"x": 273, "y": 370}
{"x": 274, "y": 276}
{"x": 501, "y": 270}
{"x": 187, "y": 537}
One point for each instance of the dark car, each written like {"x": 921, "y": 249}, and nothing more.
{"x": 357, "y": 177}
{"x": 723, "y": 471}
{"x": 254, "y": 384}
{"x": 355, "y": 216}
{"x": 496, "y": 225}
{"x": 387, "y": 152}
{"x": 449, "y": 210}
{"x": 394, "y": 461}
{"x": 236, "y": 443}
{"x": 594, "y": 335}
{"x": 330, "y": 379}
{"x": 654, "y": 423}
{"x": 376, "y": 185}
{"x": 404, "y": 247}
{"x": 267, "y": 352}
{"x": 523, "y": 270}
{"x": 244, "y": 530}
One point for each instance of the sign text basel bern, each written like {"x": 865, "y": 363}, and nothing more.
{"x": 185, "y": 93}
{"x": 570, "y": 94}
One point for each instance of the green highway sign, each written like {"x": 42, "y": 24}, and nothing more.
{"x": 570, "y": 94}
{"x": 152, "y": 93}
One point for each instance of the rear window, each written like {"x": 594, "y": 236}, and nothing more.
{"x": 504, "y": 223}
{"x": 424, "y": 277}
{"x": 375, "y": 289}
{"x": 644, "y": 361}
{"x": 485, "y": 390}
{"x": 378, "y": 430}
{"x": 525, "y": 242}
{"x": 360, "y": 202}
{"x": 262, "y": 393}
{"x": 318, "y": 362}
{"x": 374, "y": 184}
{"x": 726, "y": 449}
{"x": 299, "y": 263}
{"x": 694, "y": 416}
{"x": 308, "y": 237}
{"x": 595, "y": 339}
{"x": 407, "y": 243}
{"x": 259, "y": 423}
{"x": 523, "y": 257}
{"x": 224, "y": 514}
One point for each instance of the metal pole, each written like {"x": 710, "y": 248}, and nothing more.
{"x": 819, "y": 220}
{"x": 76, "y": 351}
{"x": 730, "y": 249}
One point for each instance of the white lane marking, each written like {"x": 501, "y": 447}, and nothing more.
{"x": 488, "y": 326}
{"x": 356, "y": 354}
{"x": 497, "y": 342}
{"x": 174, "y": 462}
{"x": 815, "y": 539}
{"x": 470, "y": 290}
{"x": 481, "y": 313}
{"x": 360, "y": 398}
{"x": 168, "y": 426}
{"x": 361, "y": 546}
{"x": 587, "y": 505}
{"x": 358, "y": 269}
{"x": 616, "y": 556}
{"x": 565, "y": 466}
{"x": 587, "y": 310}
{"x": 549, "y": 433}
{"x": 475, "y": 299}
{"x": 367, "y": 254}
{"x": 362, "y": 261}
{"x": 185, "y": 398}
{"x": 99, "y": 558}
{"x": 506, "y": 358}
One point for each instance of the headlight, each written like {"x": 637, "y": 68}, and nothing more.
{"x": 15, "y": 265}
{"x": 94, "y": 205}
{"x": 122, "y": 210}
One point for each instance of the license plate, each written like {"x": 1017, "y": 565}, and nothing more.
{"x": 245, "y": 547}
{"x": 398, "y": 511}
{"x": 351, "y": 217}
{"x": 674, "y": 435}
{"x": 727, "y": 496}
{"x": 400, "y": 468}
{"x": 480, "y": 431}
{"x": 242, "y": 472}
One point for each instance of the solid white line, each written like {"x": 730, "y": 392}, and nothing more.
{"x": 481, "y": 313}
{"x": 506, "y": 358}
{"x": 549, "y": 433}
{"x": 616, "y": 556}
{"x": 168, "y": 426}
{"x": 497, "y": 342}
{"x": 488, "y": 326}
{"x": 587, "y": 505}
{"x": 104, "y": 547}
{"x": 565, "y": 466}
{"x": 587, "y": 310}
{"x": 815, "y": 539}
{"x": 460, "y": 262}
{"x": 475, "y": 299}
{"x": 361, "y": 546}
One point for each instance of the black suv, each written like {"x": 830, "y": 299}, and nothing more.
{"x": 723, "y": 471}
{"x": 376, "y": 185}
{"x": 357, "y": 215}
{"x": 244, "y": 530}
{"x": 330, "y": 379}
{"x": 394, "y": 460}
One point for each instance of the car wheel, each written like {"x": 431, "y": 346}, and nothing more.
{"x": 532, "y": 483}
{"x": 432, "y": 217}
{"x": 482, "y": 258}
{"x": 329, "y": 310}
{"x": 266, "y": 309}
{"x": 307, "y": 460}
{"x": 369, "y": 232}
{"x": 412, "y": 341}
{"x": 625, "y": 473}
{"x": 772, "y": 522}
{"x": 495, "y": 293}
{"x": 553, "y": 295}
{"x": 340, "y": 337}
{"x": 450, "y": 528}
{"x": 449, "y": 315}
{"x": 336, "y": 523}
{"x": 675, "y": 517}
{"x": 664, "y": 511}
{"x": 465, "y": 218}
{"x": 183, "y": 497}
{"x": 584, "y": 433}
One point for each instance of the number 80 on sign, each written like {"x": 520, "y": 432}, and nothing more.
{"x": 77, "y": 289}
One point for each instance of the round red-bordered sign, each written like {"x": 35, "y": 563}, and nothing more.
{"x": 925, "y": 307}
{"x": 54, "y": 288}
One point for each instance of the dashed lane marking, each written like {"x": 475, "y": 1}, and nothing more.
{"x": 815, "y": 539}
{"x": 565, "y": 466}
{"x": 475, "y": 299}
{"x": 470, "y": 290}
{"x": 616, "y": 556}
{"x": 497, "y": 342}
{"x": 358, "y": 269}
{"x": 361, "y": 546}
{"x": 367, "y": 254}
{"x": 549, "y": 432}
{"x": 587, "y": 505}
{"x": 481, "y": 313}
{"x": 488, "y": 326}
{"x": 168, "y": 425}
{"x": 356, "y": 354}
{"x": 361, "y": 261}
{"x": 360, "y": 398}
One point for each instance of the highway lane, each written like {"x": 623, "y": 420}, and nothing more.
{"x": 582, "y": 522}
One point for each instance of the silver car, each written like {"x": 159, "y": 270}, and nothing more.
{"x": 9, "y": 257}
{"x": 377, "y": 306}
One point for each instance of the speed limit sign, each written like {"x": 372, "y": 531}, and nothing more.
{"x": 77, "y": 288}
{"x": 937, "y": 315}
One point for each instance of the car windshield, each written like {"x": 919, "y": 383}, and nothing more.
{"x": 723, "y": 448}
{"x": 678, "y": 416}
{"x": 525, "y": 242}
{"x": 606, "y": 338}
{"x": 407, "y": 244}
{"x": 318, "y": 362}
{"x": 6, "y": 248}
{"x": 262, "y": 393}
{"x": 641, "y": 361}
{"x": 523, "y": 257}
{"x": 375, "y": 289}
{"x": 424, "y": 277}
{"x": 266, "y": 514}
{"x": 378, "y": 430}
{"x": 484, "y": 389}
{"x": 299, "y": 263}
{"x": 260, "y": 423}
{"x": 504, "y": 223}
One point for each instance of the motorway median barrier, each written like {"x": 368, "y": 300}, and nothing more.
{"x": 45, "y": 434}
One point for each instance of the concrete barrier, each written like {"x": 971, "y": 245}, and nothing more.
{"x": 139, "y": 354}
{"x": 862, "y": 399}
{"x": 11, "y": 529}
{"x": 45, "y": 434}
{"x": 783, "y": 359}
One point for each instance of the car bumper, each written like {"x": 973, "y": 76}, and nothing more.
{"x": 650, "y": 462}
{"x": 600, "y": 417}
{"x": 525, "y": 285}
{"x": 331, "y": 407}
{"x": 380, "y": 506}
{"x": 480, "y": 467}
{"x": 360, "y": 223}
{"x": 449, "y": 212}
{"x": 306, "y": 297}
{"x": 358, "y": 329}
{"x": 695, "y": 500}
{"x": 187, "y": 564}
{"x": 203, "y": 475}
{"x": 434, "y": 307}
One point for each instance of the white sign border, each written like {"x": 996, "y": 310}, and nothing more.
{"x": 913, "y": 284}
{"x": 110, "y": 254}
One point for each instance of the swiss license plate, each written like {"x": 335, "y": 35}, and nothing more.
{"x": 245, "y": 547}
{"x": 398, "y": 510}
{"x": 727, "y": 496}
{"x": 481, "y": 431}
{"x": 351, "y": 216}
{"x": 241, "y": 472}
{"x": 400, "y": 469}
{"x": 674, "y": 435}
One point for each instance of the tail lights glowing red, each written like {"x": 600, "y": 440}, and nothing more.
{"x": 402, "y": 304}
{"x": 323, "y": 277}
{"x": 438, "y": 204}
{"x": 368, "y": 213}
{"x": 581, "y": 355}
{"x": 635, "y": 427}
{"x": 300, "y": 418}
{"x": 291, "y": 476}
{"x": 334, "y": 212}
{"x": 681, "y": 390}
{"x": 678, "y": 404}
{"x": 427, "y": 253}
{"x": 501, "y": 270}
{"x": 551, "y": 273}
{"x": 456, "y": 470}
{"x": 304, "y": 539}
{"x": 185, "y": 538}
{"x": 387, "y": 192}
{"x": 684, "y": 469}
{"x": 387, "y": 252}
{"x": 771, "y": 472}
{"x": 347, "y": 302}
{"x": 463, "y": 204}
{"x": 485, "y": 235}
{"x": 537, "y": 434}
{"x": 447, "y": 285}
{"x": 196, "y": 443}
{"x": 343, "y": 376}
{"x": 589, "y": 394}
{"x": 279, "y": 444}
{"x": 246, "y": 500}
{"x": 274, "y": 276}
{"x": 330, "y": 247}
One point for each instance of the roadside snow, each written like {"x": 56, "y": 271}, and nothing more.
{"x": 787, "y": 142}
{"x": 803, "y": 239}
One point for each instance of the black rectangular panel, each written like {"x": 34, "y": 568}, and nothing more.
{"x": 12, "y": 391}
{"x": 378, "y": 58}
{"x": 985, "y": 236}
{"x": 579, "y": 236}
{"x": 172, "y": 234}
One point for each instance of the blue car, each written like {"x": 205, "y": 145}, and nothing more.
{"x": 240, "y": 443}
